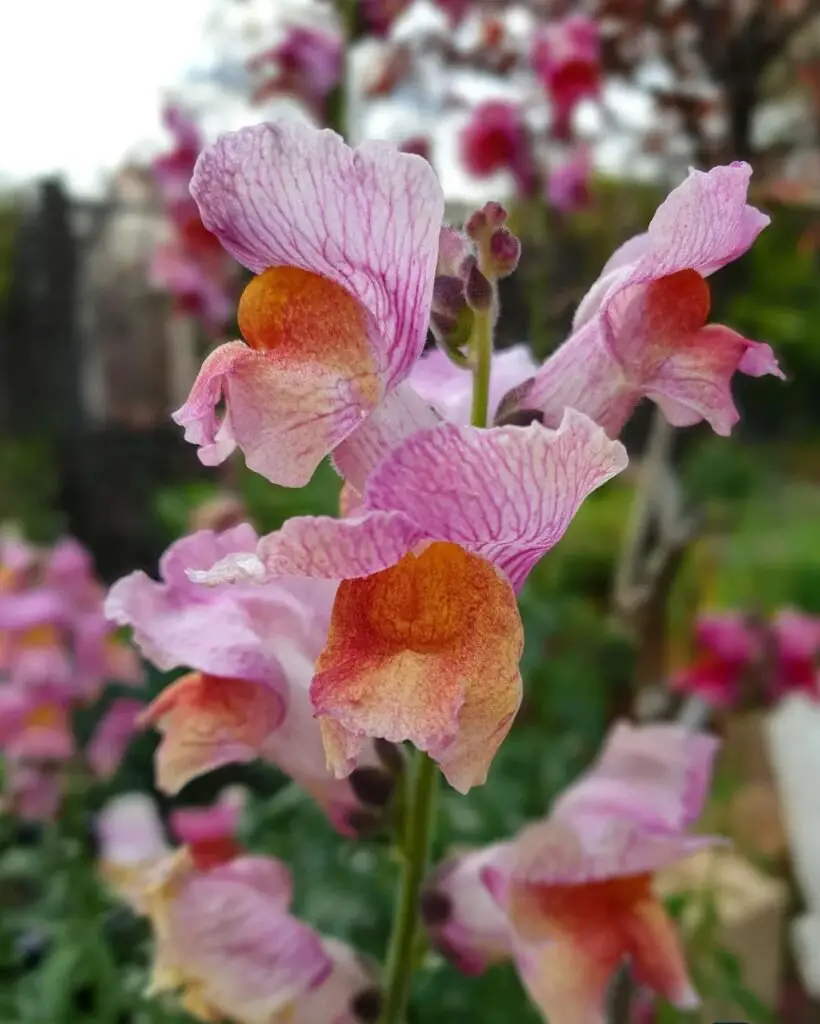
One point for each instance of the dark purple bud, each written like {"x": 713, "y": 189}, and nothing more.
{"x": 505, "y": 252}
{"x": 448, "y": 295}
{"x": 436, "y": 908}
{"x": 479, "y": 291}
{"x": 373, "y": 786}
{"x": 366, "y": 1005}
{"x": 520, "y": 418}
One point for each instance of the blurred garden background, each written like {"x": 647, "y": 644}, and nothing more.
{"x": 107, "y": 306}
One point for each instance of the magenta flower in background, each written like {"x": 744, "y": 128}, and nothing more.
{"x": 344, "y": 243}
{"x": 796, "y": 639}
{"x": 641, "y": 329}
{"x": 577, "y": 887}
{"x": 443, "y": 553}
{"x": 727, "y": 645}
{"x": 568, "y": 182}
{"x": 497, "y": 138}
{"x": 566, "y": 57}
{"x": 252, "y": 648}
{"x": 306, "y": 63}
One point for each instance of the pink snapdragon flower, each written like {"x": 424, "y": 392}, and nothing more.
{"x": 35, "y": 723}
{"x": 566, "y": 57}
{"x": 577, "y": 887}
{"x": 496, "y": 138}
{"x": 225, "y": 938}
{"x": 344, "y": 243}
{"x": 641, "y": 329}
{"x": 252, "y": 650}
{"x": 727, "y": 645}
{"x": 425, "y": 635}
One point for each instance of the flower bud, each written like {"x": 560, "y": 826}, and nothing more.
{"x": 448, "y": 295}
{"x": 504, "y": 251}
{"x": 479, "y": 291}
{"x": 453, "y": 249}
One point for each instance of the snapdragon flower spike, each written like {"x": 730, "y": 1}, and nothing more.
{"x": 641, "y": 331}
{"x": 344, "y": 243}
{"x": 577, "y": 887}
{"x": 425, "y": 635}
{"x": 35, "y": 723}
{"x": 463, "y": 920}
{"x": 252, "y": 649}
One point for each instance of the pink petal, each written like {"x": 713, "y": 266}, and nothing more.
{"x": 325, "y": 548}
{"x": 448, "y": 388}
{"x": 216, "y": 821}
{"x": 656, "y": 775}
{"x": 130, "y": 831}
{"x": 400, "y": 415}
{"x": 242, "y": 955}
{"x": 507, "y": 494}
{"x": 797, "y": 634}
{"x": 112, "y": 736}
{"x": 728, "y": 635}
{"x": 284, "y": 418}
{"x": 367, "y": 218}
{"x": 334, "y": 1001}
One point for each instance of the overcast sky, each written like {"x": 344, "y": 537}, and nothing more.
{"x": 81, "y": 81}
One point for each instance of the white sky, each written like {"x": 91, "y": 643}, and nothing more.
{"x": 82, "y": 81}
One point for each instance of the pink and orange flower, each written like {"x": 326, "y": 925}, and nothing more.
{"x": 641, "y": 331}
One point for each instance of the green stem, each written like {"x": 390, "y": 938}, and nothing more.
{"x": 418, "y": 824}
{"x": 481, "y": 351}
{"x": 418, "y": 834}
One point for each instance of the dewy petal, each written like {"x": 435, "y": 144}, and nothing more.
{"x": 426, "y": 651}
{"x": 367, "y": 219}
{"x": 208, "y": 722}
{"x": 508, "y": 493}
{"x": 655, "y": 775}
{"x": 398, "y": 417}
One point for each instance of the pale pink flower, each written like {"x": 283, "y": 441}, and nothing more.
{"x": 344, "y": 243}
{"x": 566, "y": 58}
{"x": 425, "y": 636}
{"x": 448, "y": 388}
{"x": 33, "y": 791}
{"x": 35, "y": 723}
{"x": 641, "y": 329}
{"x": 133, "y": 850}
{"x": 577, "y": 887}
{"x": 463, "y": 920}
{"x": 112, "y": 736}
{"x": 252, "y": 648}
{"x": 227, "y": 943}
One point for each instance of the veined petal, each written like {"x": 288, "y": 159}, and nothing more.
{"x": 398, "y": 417}
{"x": 654, "y": 775}
{"x": 428, "y": 651}
{"x": 208, "y": 722}
{"x": 367, "y": 219}
{"x": 286, "y": 411}
{"x": 333, "y": 549}
{"x": 509, "y": 493}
